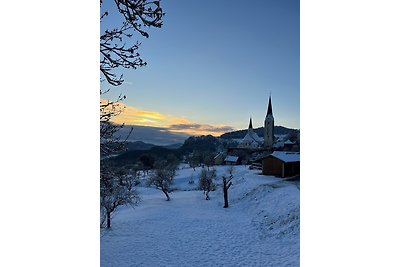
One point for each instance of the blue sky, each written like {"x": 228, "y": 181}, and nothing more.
{"x": 216, "y": 62}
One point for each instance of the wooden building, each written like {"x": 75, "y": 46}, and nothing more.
{"x": 282, "y": 164}
{"x": 231, "y": 160}
{"x": 219, "y": 158}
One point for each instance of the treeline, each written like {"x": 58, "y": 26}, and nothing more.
{"x": 279, "y": 130}
{"x": 199, "y": 147}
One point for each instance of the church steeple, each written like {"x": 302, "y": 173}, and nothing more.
{"x": 250, "y": 124}
{"x": 269, "y": 111}
{"x": 269, "y": 131}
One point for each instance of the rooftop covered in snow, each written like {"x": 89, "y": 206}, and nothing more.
{"x": 288, "y": 142}
{"x": 286, "y": 156}
{"x": 230, "y": 158}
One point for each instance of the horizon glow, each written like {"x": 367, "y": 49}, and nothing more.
{"x": 213, "y": 65}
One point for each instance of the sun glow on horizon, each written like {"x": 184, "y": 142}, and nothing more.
{"x": 134, "y": 116}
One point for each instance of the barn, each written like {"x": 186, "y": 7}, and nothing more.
{"x": 231, "y": 160}
{"x": 282, "y": 164}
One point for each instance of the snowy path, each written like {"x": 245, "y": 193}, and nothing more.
{"x": 190, "y": 231}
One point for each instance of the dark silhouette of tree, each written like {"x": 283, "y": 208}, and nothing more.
{"x": 172, "y": 160}
{"x": 204, "y": 143}
{"x": 226, "y": 182}
{"x": 115, "y": 49}
{"x": 147, "y": 161}
{"x": 110, "y": 142}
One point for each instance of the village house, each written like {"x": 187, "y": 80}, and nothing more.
{"x": 282, "y": 164}
{"x": 219, "y": 158}
{"x": 231, "y": 160}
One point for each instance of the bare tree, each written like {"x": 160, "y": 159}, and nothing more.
{"x": 193, "y": 161}
{"x": 226, "y": 181}
{"x": 206, "y": 181}
{"x": 162, "y": 177}
{"x": 116, "y": 189}
{"x": 110, "y": 142}
{"x": 116, "y": 48}
{"x": 117, "y": 51}
{"x": 148, "y": 161}
{"x": 209, "y": 159}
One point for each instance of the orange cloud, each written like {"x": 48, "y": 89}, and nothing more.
{"x": 133, "y": 115}
{"x": 143, "y": 113}
{"x": 200, "y": 129}
{"x": 136, "y": 116}
{"x": 179, "y": 121}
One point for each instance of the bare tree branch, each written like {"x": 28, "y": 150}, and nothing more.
{"x": 118, "y": 51}
{"x": 114, "y": 50}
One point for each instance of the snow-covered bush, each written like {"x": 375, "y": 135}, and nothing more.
{"x": 206, "y": 181}
{"x": 116, "y": 189}
{"x": 162, "y": 176}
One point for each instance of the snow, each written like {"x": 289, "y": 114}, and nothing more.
{"x": 230, "y": 158}
{"x": 280, "y": 137}
{"x": 251, "y": 139}
{"x": 260, "y": 227}
{"x": 286, "y": 156}
{"x": 252, "y": 136}
{"x": 288, "y": 142}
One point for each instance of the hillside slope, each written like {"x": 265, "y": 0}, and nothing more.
{"x": 260, "y": 228}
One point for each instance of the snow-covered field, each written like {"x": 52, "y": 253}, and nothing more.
{"x": 261, "y": 227}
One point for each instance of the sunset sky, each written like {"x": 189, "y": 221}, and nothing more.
{"x": 214, "y": 64}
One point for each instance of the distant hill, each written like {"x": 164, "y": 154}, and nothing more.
{"x": 132, "y": 156}
{"x": 201, "y": 144}
{"x": 139, "y": 145}
{"x": 173, "y": 146}
{"x": 259, "y": 131}
{"x": 209, "y": 144}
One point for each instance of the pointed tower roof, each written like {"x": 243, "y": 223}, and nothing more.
{"x": 250, "y": 124}
{"x": 269, "y": 110}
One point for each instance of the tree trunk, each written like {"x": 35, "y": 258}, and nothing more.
{"x": 227, "y": 184}
{"x": 108, "y": 220}
{"x": 207, "y": 197}
{"x": 226, "y": 205}
{"x": 166, "y": 194}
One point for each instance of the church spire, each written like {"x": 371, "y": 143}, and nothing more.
{"x": 269, "y": 131}
{"x": 269, "y": 111}
{"x": 250, "y": 124}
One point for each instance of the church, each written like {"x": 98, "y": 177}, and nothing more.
{"x": 253, "y": 141}
{"x": 274, "y": 156}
